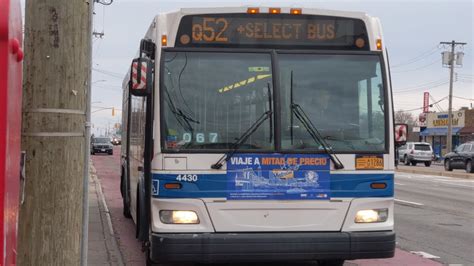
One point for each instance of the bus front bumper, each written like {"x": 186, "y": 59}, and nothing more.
{"x": 240, "y": 247}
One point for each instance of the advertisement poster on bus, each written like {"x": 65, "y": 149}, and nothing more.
{"x": 280, "y": 177}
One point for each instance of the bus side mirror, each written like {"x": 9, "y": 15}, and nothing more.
{"x": 401, "y": 132}
{"x": 141, "y": 77}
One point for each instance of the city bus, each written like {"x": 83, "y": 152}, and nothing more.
{"x": 260, "y": 134}
{"x": 11, "y": 57}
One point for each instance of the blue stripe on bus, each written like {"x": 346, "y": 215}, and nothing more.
{"x": 215, "y": 186}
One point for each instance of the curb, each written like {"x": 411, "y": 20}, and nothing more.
{"x": 436, "y": 173}
{"x": 115, "y": 256}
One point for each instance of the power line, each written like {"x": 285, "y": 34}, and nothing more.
{"x": 436, "y": 104}
{"x": 420, "y": 108}
{"x": 418, "y": 68}
{"x": 435, "y": 85}
{"x": 109, "y": 73}
{"x": 417, "y": 58}
{"x": 463, "y": 98}
{"x": 119, "y": 90}
{"x": 424, "y": 84}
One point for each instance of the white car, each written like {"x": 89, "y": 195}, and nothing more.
{"x": 416, "y": 152}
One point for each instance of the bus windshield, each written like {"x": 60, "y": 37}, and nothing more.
{"x": 342, "y": 95}
{"x": 209, "y": 99}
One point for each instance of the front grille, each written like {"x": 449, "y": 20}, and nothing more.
{"x": 101, "y": 146}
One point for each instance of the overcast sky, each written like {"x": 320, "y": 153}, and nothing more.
{"x": 412, "y": 32}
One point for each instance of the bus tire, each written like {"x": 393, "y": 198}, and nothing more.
{"x": 141, "y": 225}
{"x": 125, "y": 196}
{"x": 330, "y": 262}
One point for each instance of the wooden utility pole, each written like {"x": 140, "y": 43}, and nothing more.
{"x": 54, "y": 131}
{"x": 452, "y": 61}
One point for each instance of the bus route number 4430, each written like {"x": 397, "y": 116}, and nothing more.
{"x": 187, "y": 178}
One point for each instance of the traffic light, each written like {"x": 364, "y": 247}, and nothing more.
{"x": 113, "y": 111}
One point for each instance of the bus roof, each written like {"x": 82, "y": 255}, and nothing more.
{"x": 168, "y": 23}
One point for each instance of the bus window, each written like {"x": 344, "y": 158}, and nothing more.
{"x": 211, "y": 99}
{"x": 341, "y": 94}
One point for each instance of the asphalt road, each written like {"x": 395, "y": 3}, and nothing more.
{"x": 409, "y": 238}
{"x": 435, "y": 215}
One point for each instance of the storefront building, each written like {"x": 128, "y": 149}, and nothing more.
{"x": 436, "y": 129}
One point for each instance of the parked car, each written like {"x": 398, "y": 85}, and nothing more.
{"x": 101, "y": 145}
{"x": 416, "y": 152}
{"x": 461, "y": 158}
{"x": 116, "y": 140}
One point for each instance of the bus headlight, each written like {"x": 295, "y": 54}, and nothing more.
{"x": 179, "y": 217}
{"x": 371, "y": 216}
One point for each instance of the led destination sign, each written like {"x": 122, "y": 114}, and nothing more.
{"x": 243, "y": 30}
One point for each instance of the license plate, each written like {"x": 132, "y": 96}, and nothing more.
{"x": 102, "y": 150}
{"x": 369, "y": 162}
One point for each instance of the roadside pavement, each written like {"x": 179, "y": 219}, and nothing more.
{"x": 435, "y": 170}
{"x": 102, "y": 245}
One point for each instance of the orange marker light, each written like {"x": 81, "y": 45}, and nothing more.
{"x": 274, "y": 10}
{"x": 173, "y": 186}
{"x": 253, "y": 10}
{"x": 378, "y": 185}
{"x": 164, "y": 40}
{"x": 379, "y": 44}
{"x": 296, "y": 11}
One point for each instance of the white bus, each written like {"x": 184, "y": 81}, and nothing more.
{"x": 260, "y": 134}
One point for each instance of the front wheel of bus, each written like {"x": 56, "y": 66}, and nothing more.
{"x": 330, "y": 262}
{"x": 124, "y": 191}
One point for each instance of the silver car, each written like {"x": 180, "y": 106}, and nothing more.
{"x": 416, "y": 152}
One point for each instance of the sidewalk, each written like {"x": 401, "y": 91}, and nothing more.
{"x": 102, "y": 246}
{"x": 434, "y": 171}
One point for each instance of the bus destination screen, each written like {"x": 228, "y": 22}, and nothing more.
{"x": 270, "y": 30}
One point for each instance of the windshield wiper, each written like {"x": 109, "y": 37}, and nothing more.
{"x": 332, "y": 138}
{"x": 236, "y": 145}
{"x": 291, "y": 101}
{"x": 270, "y": 109}
{"x": 180, "y": 115}
{"x": 317, "y": 137}
{"x": 239, "y": 142}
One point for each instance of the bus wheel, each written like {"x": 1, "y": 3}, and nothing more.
{"x": 141, "y": 224}
{"x": 330, "y": 262}
{"x": 123, "y": 190}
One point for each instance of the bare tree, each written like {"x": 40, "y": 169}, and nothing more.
{"x": 404, "y": 117}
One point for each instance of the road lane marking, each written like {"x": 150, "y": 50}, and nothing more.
{"x": 399, "y": 184}
{"x": 409, "y": 202}
{"x": 424, "y": 254}
{"x": 440, "y": 180}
